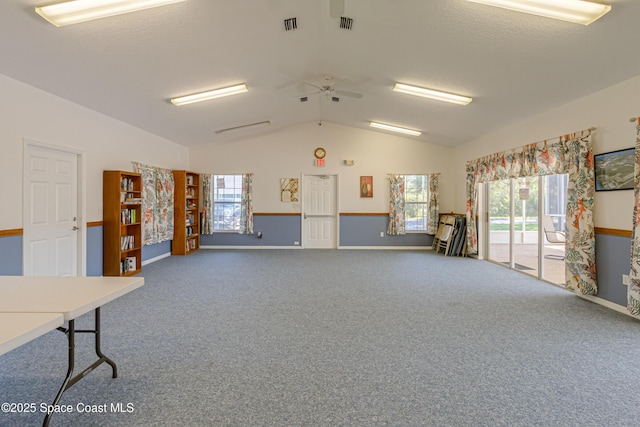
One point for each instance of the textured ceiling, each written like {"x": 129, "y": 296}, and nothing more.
{"x": 127, "y": 67}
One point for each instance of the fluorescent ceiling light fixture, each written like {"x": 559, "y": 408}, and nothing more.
{"x": 211, "y": 94}
{"x": 431, "y": 94}
{"x": 75, "y": 11}
{"x": 395, "y": 128}
{"x": 244, "y": 127}
{"x": 576, "y": 11}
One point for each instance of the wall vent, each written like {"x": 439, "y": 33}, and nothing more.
{"x": 346, "y": 23}
{"x": 290, "y": 24}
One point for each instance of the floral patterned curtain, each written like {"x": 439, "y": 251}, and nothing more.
{"x": 246, "y": 207}
{"x": 633, "y": 292}
{"x": 396, "y": 206}
{"x": 157, "y": 203}
{"x": 434, "y": 204}
{"x": 207, "y": 203}
{"x": 572, "y": 155}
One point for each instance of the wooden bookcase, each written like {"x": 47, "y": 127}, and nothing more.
{"x": 122, "y": 223}
{"x": 186, "y": 234}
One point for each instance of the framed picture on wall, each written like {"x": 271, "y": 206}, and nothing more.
{"x": 366, "y": 186}
{"x": 614, "y": 170}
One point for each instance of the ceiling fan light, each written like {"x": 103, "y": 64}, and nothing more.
{"x": 392, "y": 128}
{"x": 576, "y": 11}
{"x": 431, "y": 94}
{"x": 76, "y": 11}
{"x": 210, "y": 94}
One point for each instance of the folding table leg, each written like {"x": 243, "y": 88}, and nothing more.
{"x": 69, "y": 379}
{"x": 71, "y": 338}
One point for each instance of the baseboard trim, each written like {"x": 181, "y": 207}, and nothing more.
{"x": 605, "y": 303}
{"x": 390, "y": 248}
{"x": 247, "y": 247}
{"x": 157, "y": 258}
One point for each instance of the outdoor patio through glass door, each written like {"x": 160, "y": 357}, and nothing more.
{"x": 526, "y": 218}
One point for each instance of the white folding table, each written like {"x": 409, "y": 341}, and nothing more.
{"x": 20, "y": 328}
{"x": 66, "y": 298}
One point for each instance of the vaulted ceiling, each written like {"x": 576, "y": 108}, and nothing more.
{"x": 129, "y": 66}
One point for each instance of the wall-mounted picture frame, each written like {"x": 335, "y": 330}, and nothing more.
{"x": 289, "y": 190}
{"x": 366, "y": 186}
{"x": 614, "y": 170}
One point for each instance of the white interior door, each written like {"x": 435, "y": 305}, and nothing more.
{"x": 50, "y": 211}
{"x": 320, "y": 214}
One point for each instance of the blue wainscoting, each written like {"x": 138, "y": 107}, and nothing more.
{"x": 364, "y": 231}
{"x": 94, "y": 251}
{"x": 11, "y": 258}
{"x": 156, "y": 250}
{"x": 613, "y": 259}
{"x": 277, "y": 230}
{"x": 284, "y": 230}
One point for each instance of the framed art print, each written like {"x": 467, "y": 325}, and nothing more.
{"x": 366, "y": 186}
{"x": 614, "y": 170}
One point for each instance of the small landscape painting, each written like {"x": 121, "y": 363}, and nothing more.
{"x": 614, "y": 170}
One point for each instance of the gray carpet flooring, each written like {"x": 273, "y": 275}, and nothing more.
{"x": 340, "y": 338}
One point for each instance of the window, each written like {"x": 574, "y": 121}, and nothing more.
{"x": 416, "y": 198}
{"x": 227, "y": 199}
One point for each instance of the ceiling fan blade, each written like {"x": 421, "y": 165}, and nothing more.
{"x": 320, "y": 88}
{"x": 336, "y": 8}
{"x": 349, "y": 94}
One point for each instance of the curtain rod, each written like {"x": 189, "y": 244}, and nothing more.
{"x": 591, "y": 129}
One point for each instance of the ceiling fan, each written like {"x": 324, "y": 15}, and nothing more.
{"x": 327, "y": 87}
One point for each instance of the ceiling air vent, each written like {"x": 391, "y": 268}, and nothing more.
{"x": 290, "y": 24}
{"x": 346, "y": 23}
{"x": 304, "y": 99}
{"x": 335, "y": 99}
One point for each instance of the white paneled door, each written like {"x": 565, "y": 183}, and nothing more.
{"x": 320, "y": 213}
{"x": 50, "y": 240}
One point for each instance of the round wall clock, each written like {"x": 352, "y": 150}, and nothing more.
{"x": 320, "y": 153}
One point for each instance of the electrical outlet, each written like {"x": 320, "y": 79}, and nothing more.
{"x": 382, "y": 234}
{"x": 625, "y": 280}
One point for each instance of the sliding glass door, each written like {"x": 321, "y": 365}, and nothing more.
{"x": 500, "y": 220}
{"x": 553, "y": 227}
{"x": 526, "y": 225}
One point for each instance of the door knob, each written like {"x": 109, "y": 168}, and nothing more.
{"x": 75, "y": 228}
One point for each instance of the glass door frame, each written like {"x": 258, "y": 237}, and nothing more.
{"x": 485, "y": 227}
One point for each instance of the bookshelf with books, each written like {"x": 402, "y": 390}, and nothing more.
{"x": 122, "y": 223}
{"x": 186, "y": 232}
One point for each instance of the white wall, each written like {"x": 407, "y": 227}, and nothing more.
{"x": 30, "y": 114}
{"x": 608, "y": 110}
{"x": 289, "y": 154}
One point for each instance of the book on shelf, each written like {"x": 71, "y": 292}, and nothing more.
{"x": 126, "y": 184}
{"x": 128, "y": 216}
{"x": 128, "y": 264}
{"x": 130, "y": 199}
{"x": 127, "y": 242}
